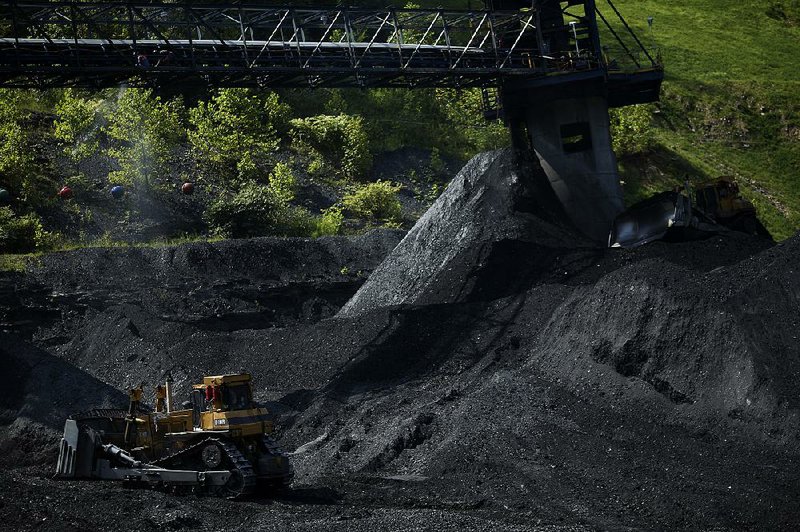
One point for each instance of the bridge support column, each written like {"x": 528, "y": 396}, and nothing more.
{"x": 570, "y": 136}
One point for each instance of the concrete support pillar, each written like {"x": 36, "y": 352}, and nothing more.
{"x": 572, "y": 140}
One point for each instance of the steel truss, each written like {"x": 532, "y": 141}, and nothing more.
{"x": 96, "y": 44}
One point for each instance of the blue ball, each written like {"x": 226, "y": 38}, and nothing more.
{"x": 117, "y": 192}
{"x": 5, "y": 196}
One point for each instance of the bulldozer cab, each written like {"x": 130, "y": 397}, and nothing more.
{"x": 223, "y": 393}
{"x": 721, "y": 199}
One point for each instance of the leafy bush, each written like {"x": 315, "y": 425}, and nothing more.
{"x": 283, "y": 182}
{"x": 330, "y": 223}
{"x": 78, "y": 125}
{"x": 236, "y": 130}
{"x": 296, "y": 221}
{"x": 144, "y": 132}
{"x": 257, "y": 210}
{"x": 631, "y": 130}
{"x": 374, "y": 201}
{"x": 16, "y": 156}
{"x": 448, "y": 119}
{"x": 252, "y": 211}
{"x": 463, "y": 110}
{"x": 336, "y": 143}
{"x": 22, "y": 234}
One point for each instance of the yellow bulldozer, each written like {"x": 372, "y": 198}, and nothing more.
{"x": 217, "y": 443}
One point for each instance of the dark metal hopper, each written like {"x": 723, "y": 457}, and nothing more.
{"x": 652, "y": 219}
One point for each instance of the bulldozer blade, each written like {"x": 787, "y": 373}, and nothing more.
{"x": 659, "y": 217}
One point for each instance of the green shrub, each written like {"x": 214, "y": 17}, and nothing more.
{"x": 235, "y": 131}
{"x": 436, "y": 163}
{"x": 252, "y": 211}
{"x": 22, "y": 234}
{"x": 144, "y": 132}
{"x": 334, "y": 143}
{"x": 631, "y": 130}
{"x": 78, "y": 125}
{"x": 295, "y": 221}
{"x": 463, "y": 111}
{"x": 283, "y": 182}
{"x": 17, "y": 161}
{"x": 330, "y": 223}
{"x": 257, "y": 210}
{"x": 374, "y": 201}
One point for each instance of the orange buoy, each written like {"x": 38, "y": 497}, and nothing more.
{"x": 187, "y": 188}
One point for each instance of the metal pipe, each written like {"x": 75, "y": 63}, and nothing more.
{"x": 169, "y": 392}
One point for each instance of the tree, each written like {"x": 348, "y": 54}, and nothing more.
{"x": 336, "y": 143}
{"x": 236, "y": 131}
{"x": 144, "y": 132}
{"x": 17, "y": 162}
{"x": 78, "y": 124}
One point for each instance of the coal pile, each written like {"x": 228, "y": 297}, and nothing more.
{"x": 521, "y": 370}
{"x": 496, "y": 371}
{"x": 131, "y": 315}
{"x": 39, "y": 392}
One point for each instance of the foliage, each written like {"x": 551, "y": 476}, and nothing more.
{"x": 296, "y": 221}
{"x": 463, "y": 112}
{"x": 283, "y": 182}
{"x": 330, "y": 223}
{"x": 449, "y": 120}
{"x": 22, "y": 234}
{"x": 631, "y": 131}
{"x": 144, "y": 131}
{"x": 14, "y": 263}
{"x": 253, "y": 210}
{"x": 374, "y": 201}
{"x": 436, "y": 163}
{"x": 334, "y": 143}
{"x": 17, "y": 162}
{"x": 236, "y": 130}
{"x": 256, "y": 210}
{"x": 78, "y": 124}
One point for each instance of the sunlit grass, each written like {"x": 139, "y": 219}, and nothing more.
{"x": 730, "y": 104}
{"x": 19, "y": 262}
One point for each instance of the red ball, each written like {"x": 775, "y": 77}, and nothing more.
{"x": 188, "y": 188}
{"x": 65, "y": 193}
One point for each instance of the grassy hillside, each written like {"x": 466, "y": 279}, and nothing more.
{"x": 731, "y": 101}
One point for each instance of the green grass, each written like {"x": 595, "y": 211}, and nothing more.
{"x": 730, "y": 104}
{"x": 19, "y": 262}
{"x": 15, "y": 263}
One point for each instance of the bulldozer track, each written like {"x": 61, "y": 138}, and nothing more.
{"x": 243, "y": 478}
{"x": 275, "y": 450}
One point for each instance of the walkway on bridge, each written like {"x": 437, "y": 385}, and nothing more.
{"x": 99, "y": 44}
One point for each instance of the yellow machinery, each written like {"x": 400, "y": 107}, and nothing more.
{"x": 218, "y": 442}
{"x": 721, "y": 200}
